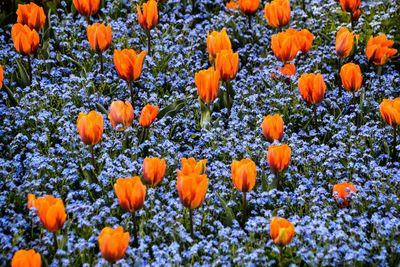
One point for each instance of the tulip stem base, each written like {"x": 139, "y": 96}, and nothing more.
{"x": 379, "y": 70}
{"x": 277, "y": 183}
{"x": 280, "y": 262}
{"x": 191, "y": 222}
{"x": 55, "y": 244}
{"x": 131, "y": 92}
{"x": 93, "y": 159}
{"x": 315, "y": 117}
{"x": 30, "y": 68}
{"x": 394, "y": 154}
{"x": 148, "y": 42}
{"x": 101, "y": 63}
{"x": 135, "y": 230}
{"x": 244, "y": 208}
{"x": 249, "y": 20}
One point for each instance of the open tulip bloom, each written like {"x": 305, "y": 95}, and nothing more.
{"x": 390, "y": 112}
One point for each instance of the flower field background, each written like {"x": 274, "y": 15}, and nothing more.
{"x": 43, "y": 154}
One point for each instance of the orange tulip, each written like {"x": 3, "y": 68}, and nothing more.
{"x": 207, "y": 83}
{"x": 90, "y": 127}
{"x": 51, "y": 211}
{"x": 249, "y": 7}
{"x": 344, "y": 42}
{"x": 232, "y": 5}
{"x": 244, "y": 174}
{"x": 217, "y": 41}
{"x": 288, "y": 70}
{"x": 351, "y": 77}
{"x": 31, "y": 201}
{"x": 277, "y": 13}
{"x": 192, "y": 189}
{"x": 227, "y": 64}
{"x": 379, "y": 49}
{"x": 31, "y": 15}
{"x": 390, "y": 111}
{"x": 153, "y": 170}
{"x": 1, "y": 76}
{"x": 131, "y": 193}
{"x": 128, "y": 64}
{"x": 278, "y": 157}
{"x": 113, "y": 243}
{"x": 285, "y": 45}
{"x": 26, "y": 258}
{"x": 190, "y": 165}
{"x": 99, "y": 36}
{"x": 312, "y": 88}
{"x": 272, "y": 127}
{"x": 282, "y": 231}
{"x": 341, "y": 191}
{"x": 26, "y": 41}
{"x": 121, "y": 113}
{"x": 87, "y": 7}
{"x": 149, "y": 18}
{"x": 148, "y": 115}
{"x": 305, "y": 40}
{"x": 356, "y": 15}
{"x": 350, "y": 5}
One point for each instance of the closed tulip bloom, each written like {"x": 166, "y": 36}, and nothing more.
{"x": 277, "y": 13}
{"x": 244, "y": 174}
{"x": 305, "y": 40}
{"x": 344, "y": 42}
{"x": 285, "y": 45}
{"x": 1, "y": 76}
{"x": 390, "y": 111}
{"x": 217, "y": 41}
{"x": 312, "y": 88}
{"x": 128, "y": 64}
{"x": 153, "y": 170}
{"x": 87, "y": 7}
{"x": 31, "y": 15}
{"x": 190, "y": 165}
{"x": 379, "y": 49}
{"x": 288, "y": 70}
{"x": 356, "y": 15}
{"x": 90, "y": 127}
{"x": 51, "y": 212}
{"x": 130, "y": 193}
{"x": 99, "y": 36}
{"x": 350, "y": 5}
{"x": 207, "y": 83}
{"x": 249, "y": 7}
{"x": 227, "y": 64}
{"x": 31, "y": 201}
{"x": 148, "y": 115}
{"x": 232, "y": 5}
{"x": 351, "y": 77}
{"x": 113, "y": 243}
{"x": 26, "y": 41}
{"x": 272, "y": 127}
{"x": 148, "y": 19}
{"x": 341, "y": 192}
{"x": 26, "y": 258}
{"x": 192, "y": 189}
{"x": 282, "y": 231}
{"x": 121, "y": 113}
{"x": 278, "y": 157}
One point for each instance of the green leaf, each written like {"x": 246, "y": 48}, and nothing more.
{"x": 228, "y": 216}
{"x": 101, "y": 108}
{"x": 171, "y": 109}
{"x": 205, "y": 118}
{"x": 10, "y": 96}
{"x": 24, "y": 79}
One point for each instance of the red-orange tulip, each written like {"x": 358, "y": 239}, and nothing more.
{"x": 26, "y": 41}
{"x": 227, "y": 64}
{"x": 190, "y": 165}
{"x": 26, "y": 258}
{"x": 272, "y": 127}
{"x": 148, "y": 115}
{"x": 379, "y": 49}
{"x": 351, "y": 77}
{"x": 390, "y": 111}
{"x": 51, "y": 211}
{"x": 217, "y": 41}
{"x": 305, "y": 40}
{"x": 130, "y": 193}
{"x": 356, "y": 15}
{"x": 312, "y": 88}
{"x": 285, "y": 45}
{"x": 99, "y": 36}
{"x": 153, "y": 170}
{"x": 344, "y": 42}
{"x": 207, "y": 83}
{"x": 341, "y": 191}
{"x": 128, "y": 64}
{"x": 121, "y": 113}
{"x": 350, "y": 5}
{"x": 192, "y": 189}
{"x": 1, "y": 76}
{"x": 282, "y": 231}
{"x": 244, "y": 174}
{"x": 148, "y": 19}
{"x": 288, "y": 70}
{"x": 31, "y": 15}
{"x": 278, "y": 157}
{"x": 277, "y": 13}
{"x": 87, "y": 7}
{"x": 31, "y": 201}
{"x": 90, "y": 127}
{"x": 232, "y": 5}
{"x": 113, "y": 243}
{"x": 249, "y": 7}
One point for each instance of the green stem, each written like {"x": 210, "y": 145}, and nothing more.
{"x": 244, "y": 208}
{"x": 131, "y": 92}
{"x": 127, "y": 141}
{"x": 92, "y": 156}
{"x": 394, "y": 154}
{"x": 148, "y": 42}
{"x": 303, "y": 5}
{"x": 55, "y": 244}
{"x": 30, "y": 68}
{"x": 280, "y": 263}
{"x": 191, "y": 222}
{"x": 101, "y": 63}
{"x": 379, "y": 71}
{"x": 88, "y": 20}
{"x": 193, "y": 6}
{"x": 315, "y": 117}
{"x": 135, "y": 226}
{"x": 249, "y": 19}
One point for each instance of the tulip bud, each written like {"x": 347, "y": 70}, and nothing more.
{"x": 51, "y": 212}
{"x": 99, "y": 36}
{"x": 278, "y": 157}
{"x": 344, "y": 42}
{"x": 26, "y": 41}
{"x": 31, "y": 15}
{"x": 149, "y": 18}
{"x": 207, "y": 83}
{"x": 148, "y": 115}
{"x": 272, "y": 127}
{"x": 285, "y": 45}
{"x": 131, "y": 193}
{"x": 192, "y": 189}
{"x": 379, "y": 49}
{"x": 121, "y": 113}
{"x": 26, "y": 258}
{"x": 312, "y": 88}
{"x": 249, "y": 7}
{"x": 341, "y": 192}
{"x": 217, "y": 41}
{"x": 87, "y": 7}
{"x": 356, "y": 15}
{"x": 350, "y": 5}
{"x": 390, "y": 111}
{"x": 277, "y": 13}
{"x": 351, "y": 77}
{"x": 232, "y": 5}
{"x": 31, "y": 201}
{"x": 244, "y": 174}
{"x": 189, "y": 165}
{"x": 153, "y": 170}
{"x": 288, "y": 70}
{"x": 282, "y": 231}
{"x": 227, "y": 64}
{"x": 1, "y": 76}
{"x": 90, "y": 127}
{"x": 113, "y": 243}
{"x": 128, "y": 64}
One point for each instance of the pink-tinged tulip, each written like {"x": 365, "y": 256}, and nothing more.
{"x": 121, "y": 114}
